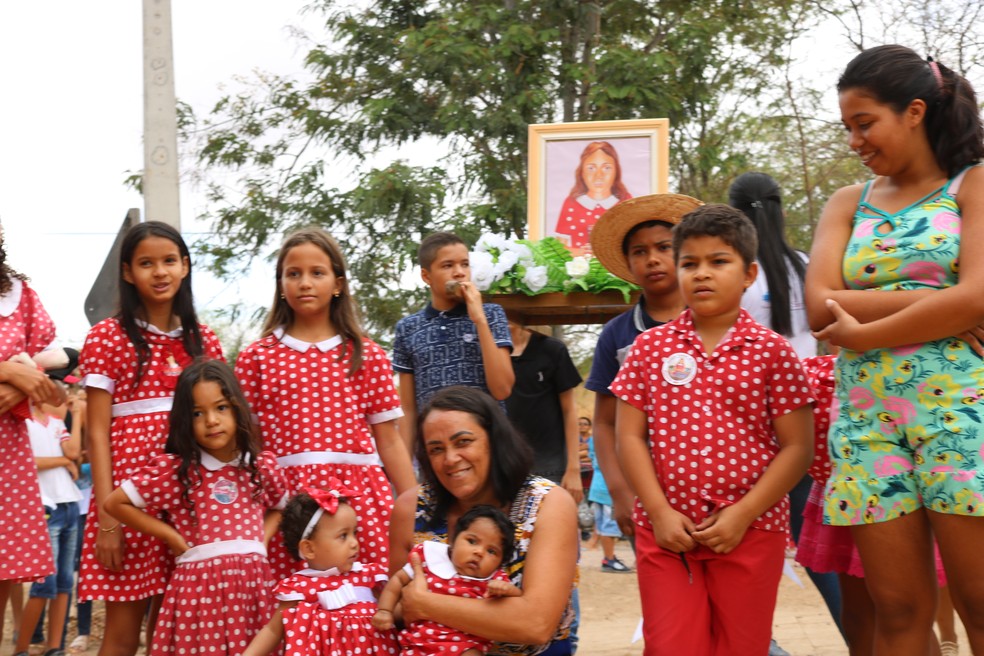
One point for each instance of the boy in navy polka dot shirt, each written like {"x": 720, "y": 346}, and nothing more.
{"x": 714, "y": 427}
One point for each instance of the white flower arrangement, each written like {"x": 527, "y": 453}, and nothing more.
{"x": 500, "y": 265}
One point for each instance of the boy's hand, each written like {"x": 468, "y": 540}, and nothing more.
{"x": 473, "y": 301}
{"x": 383, "y": 620}
{"x": 672, "y": 530}
{"x": 723, "y": 531}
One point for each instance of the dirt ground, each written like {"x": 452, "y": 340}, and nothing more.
{"x": 610, "y": 615}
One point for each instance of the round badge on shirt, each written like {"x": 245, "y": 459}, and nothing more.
{"x": 679, "y": 368}
{"x": 225, "y": 491}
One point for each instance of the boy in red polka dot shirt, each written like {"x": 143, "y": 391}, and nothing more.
{"x": 714, "y": 427}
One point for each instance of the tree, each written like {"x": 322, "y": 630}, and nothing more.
{"x": 466, "y": 77}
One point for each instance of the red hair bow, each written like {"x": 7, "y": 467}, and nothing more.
{"x": 328, "y": 499}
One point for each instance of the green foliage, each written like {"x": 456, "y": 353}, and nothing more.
{"x": 466, "y": 78}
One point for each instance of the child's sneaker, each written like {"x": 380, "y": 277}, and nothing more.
{"x": 614, "y": 565}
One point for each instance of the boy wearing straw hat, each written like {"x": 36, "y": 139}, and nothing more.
{"x": 633, "y": 241}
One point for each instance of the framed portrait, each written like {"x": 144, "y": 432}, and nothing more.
{"x": 579, "y": 170}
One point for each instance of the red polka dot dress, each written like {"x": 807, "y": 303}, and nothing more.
{"x": 579, "y": 215}
{"x": 25, "y": 327}
{"x": 137, "y": 433}
{"x": 316, "y": 419}
{"x": 429, "y": 638}
{"x": 221, "y": 592}
{"x": 333, "y": 613}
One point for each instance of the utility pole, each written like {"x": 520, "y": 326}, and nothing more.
{"x": 160, "y": 178}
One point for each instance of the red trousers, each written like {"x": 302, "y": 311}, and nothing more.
{"x": 725, "y": 611}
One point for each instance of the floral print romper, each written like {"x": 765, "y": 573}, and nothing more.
{"x": 909, "y": 430}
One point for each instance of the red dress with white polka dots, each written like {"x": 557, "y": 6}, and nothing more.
{"x": 333, "y": 613}
{"x": 710, "y": 417}
{"x": 25, "y": 327}
{"x": 429, "y": 638}
{"x": 137, "y": 433}
{"x": 316, "y": 419}
{"x": 221, "y": 592}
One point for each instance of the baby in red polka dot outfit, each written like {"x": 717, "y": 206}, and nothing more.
{"x": 470, "y": 567}
{"x": 714, "y": 428}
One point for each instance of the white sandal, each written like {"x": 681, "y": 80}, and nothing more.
{"x": 80, "y": 645}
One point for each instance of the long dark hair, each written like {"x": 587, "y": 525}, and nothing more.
{"x": 619, "y": 190}
{"x": 7, "y": 274}
{"x": 181, "y": 433}
{"x": 510, "y": 456}
{"x": 131, "y": 305}
{"x": 896, "y": 75}
{"x": 343, "y": 312}
{"x": 757, "y": 195}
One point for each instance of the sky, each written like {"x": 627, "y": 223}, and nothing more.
{"x": 71, "y": 128}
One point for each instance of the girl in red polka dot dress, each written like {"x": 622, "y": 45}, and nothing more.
{"x": 24, "y": 327}
{"x": 326, "y": 608}
{"x": 219, "y": 493}
{"x": 324, "y": 393}
{"x": 131, "y": 364}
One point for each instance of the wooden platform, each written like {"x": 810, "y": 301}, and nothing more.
{"x": 563, "y": 309}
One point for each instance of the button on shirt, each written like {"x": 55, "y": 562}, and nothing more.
{"x": 710, "y": 418}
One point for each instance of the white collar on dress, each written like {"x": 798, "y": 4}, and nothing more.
{"x": 10, "y": 300}
{"x": 212, "y": 463}
{"x": 301, "y": 346}
{"x": 591, "y": 203}
{"x": 437, "y": 555}
{"x": 331, "y": 571}
{"x": 150, "y": 328}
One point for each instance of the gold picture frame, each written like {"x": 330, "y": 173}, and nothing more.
{"x": 560, "y": 158}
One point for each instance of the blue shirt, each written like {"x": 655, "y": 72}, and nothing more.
{"x": 613, "y": 344}
{"x": 441, "y": 349}
{"x": 598, "y": 492}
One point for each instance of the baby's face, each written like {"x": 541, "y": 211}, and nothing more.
{"x": 477, "y": 550}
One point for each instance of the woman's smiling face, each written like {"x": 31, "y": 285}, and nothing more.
{"x": 458, "y": 450}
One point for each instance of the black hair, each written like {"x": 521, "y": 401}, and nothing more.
{"x": 510, "y": 456}
{"x": 587, "y": 419}
{"x": 484, "y": 511}
{"x": 722, "y": 221}
{"x": 180, "y": 436}
{"x": 297, "y": 513}
{"x": 896, "y": 75}
{"x": 434, "y": 242}
{"x": 131, "y": 305}
{"x": 627, "y": 239}
{"x": 758, "y": 196}
{"x": 7, "y": 274}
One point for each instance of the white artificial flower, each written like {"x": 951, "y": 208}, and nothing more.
{"x": 522, "y": 251}
{"x": 482, "y": 270}
{"x": 507, "y": 260}
{"x": 535, "y": 278}
{"x": 578, "y": 267}
{"x": 489, "y": 242}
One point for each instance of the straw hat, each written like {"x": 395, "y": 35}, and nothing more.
{"x": 610, "y": 230}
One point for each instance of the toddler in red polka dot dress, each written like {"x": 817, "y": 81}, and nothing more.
{"x": 221, "y": 497}
{"x": 326, "y": 608}
{"x": 714, "y": 429}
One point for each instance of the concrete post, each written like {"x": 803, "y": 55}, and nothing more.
{"x": 160, "y": 179}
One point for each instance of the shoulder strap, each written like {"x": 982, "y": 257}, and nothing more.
{"x": 953, "y": 186}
